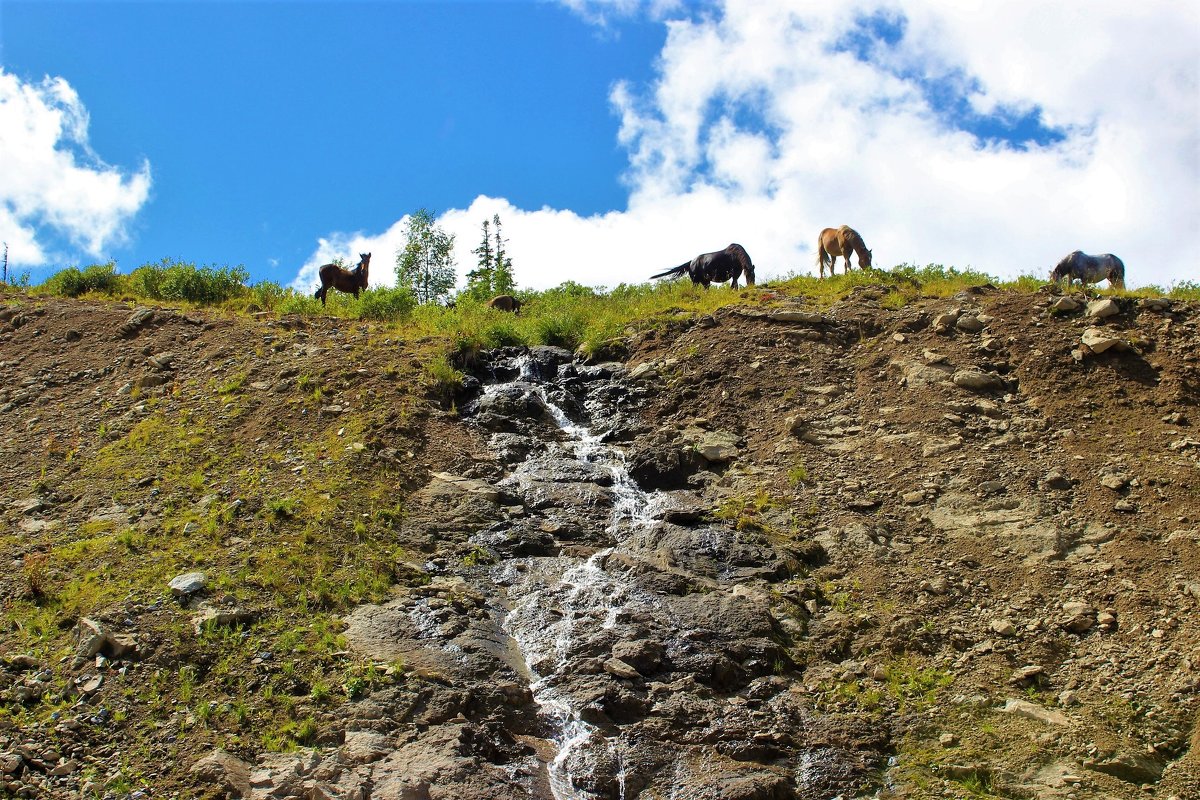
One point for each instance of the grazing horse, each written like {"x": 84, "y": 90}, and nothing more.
{"x": 505, "y": 302}
{"x": 834, "y": 242}
{"x": 723, "y": 265}
{"x": 1090, "y": 269}
{"x": 350, "y": 281}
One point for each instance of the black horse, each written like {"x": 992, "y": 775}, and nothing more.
{"x": 718, "y": 267}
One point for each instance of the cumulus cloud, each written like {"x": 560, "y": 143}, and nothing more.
{"x": 55, "y": 190}
{"x": 994, "y": 136}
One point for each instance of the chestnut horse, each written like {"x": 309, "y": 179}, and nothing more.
{"x": 718, "y": 267}
{"x": 350, "y": 281}
{"x": 834, "y": 242}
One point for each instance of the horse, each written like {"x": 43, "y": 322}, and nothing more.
{"x": 505, "y": 302}
{"x": 350, "y": 281}
{"x": 708, "y": 268}
{"x": 834, "y": 242}
{"x": 1090, "y": 269}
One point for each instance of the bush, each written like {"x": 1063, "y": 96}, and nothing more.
{"x": 73, "y": 282}
{"x": 171, "y": 280}
{"x": 386, "y": 304}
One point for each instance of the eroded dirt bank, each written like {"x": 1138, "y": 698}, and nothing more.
{"x": 942, "y": 550}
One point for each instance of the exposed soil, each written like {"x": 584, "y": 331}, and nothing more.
{"x": 1007, "y": 528}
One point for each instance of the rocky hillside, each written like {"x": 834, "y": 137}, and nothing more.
{"x": 946, "y": 549}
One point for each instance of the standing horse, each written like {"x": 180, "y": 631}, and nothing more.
{"x": 708, "y": 268}
{"x": 834, "y": 242}
{"x": 351, "y": 281}
{"x": 1090, "y": 269}
{"x": 505, "y": 302}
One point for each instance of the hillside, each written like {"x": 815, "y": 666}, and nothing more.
{"x": 938, "y": 548}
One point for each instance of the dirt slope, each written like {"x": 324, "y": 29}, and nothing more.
{"x": 1009, "y": 525}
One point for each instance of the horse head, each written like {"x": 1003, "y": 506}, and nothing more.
{"x": 864, "y": 259}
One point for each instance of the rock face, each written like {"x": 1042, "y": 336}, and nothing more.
{"x": 619, "y": 643}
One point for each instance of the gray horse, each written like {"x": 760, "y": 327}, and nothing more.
{"x": 1090, "y": 269}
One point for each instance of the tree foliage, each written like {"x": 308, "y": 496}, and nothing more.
{"x": 426, "y": 263}
{"x": 493, "y": 274}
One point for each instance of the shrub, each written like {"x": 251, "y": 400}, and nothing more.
{"x": 172, "y": 280}
{"x": 386, "y": 304}
{"x": 73, "y": 282}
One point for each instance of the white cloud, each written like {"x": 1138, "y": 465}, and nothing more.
{"x": 54, "y": 187}
{"x": 763, "y": 128}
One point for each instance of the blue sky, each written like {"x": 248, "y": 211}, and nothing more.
{"x": 279, "y": 135}
{"x": 268, "y": 124}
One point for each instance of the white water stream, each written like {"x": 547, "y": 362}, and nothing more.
{"x": 556, "y": 598}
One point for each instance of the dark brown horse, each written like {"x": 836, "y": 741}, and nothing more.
{"x": 723, "y": 265}
{"x": 505, "y": 302}
{"x": 351, "y": 281}
{"x": 834, "y": 242}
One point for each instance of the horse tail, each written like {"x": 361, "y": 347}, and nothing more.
{"x": 674, "y": 272}
{"x": 823, "y": 258}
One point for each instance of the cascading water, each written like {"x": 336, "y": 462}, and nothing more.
{"x": 555, "y": 598}
{"x": 645, "y": 635}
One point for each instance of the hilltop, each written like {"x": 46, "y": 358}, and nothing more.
{"x": 985, "y": 505}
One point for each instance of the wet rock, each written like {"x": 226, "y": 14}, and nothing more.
{"x": 660, "y": 464}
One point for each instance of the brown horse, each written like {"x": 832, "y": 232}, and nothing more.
{"x": 351, "y": 281}
{"x": 505, "y": 302}
{"x": 834, "y": 242}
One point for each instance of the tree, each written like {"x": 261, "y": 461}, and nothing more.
{"x": 426, "y": 264}
{"x": 494, "y": 274}
{"x": 503, "y": 281}
{"x": 479, "y": 280}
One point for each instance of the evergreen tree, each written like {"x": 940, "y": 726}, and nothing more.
{"x": 503, "y": 281}
{"x": 426, "y": 264}
{"x": 479, "y": 280}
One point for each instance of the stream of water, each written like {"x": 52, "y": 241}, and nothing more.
{"x": 554, "y": 599}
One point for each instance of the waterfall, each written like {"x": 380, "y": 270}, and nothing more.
{"x": 564, "y": 594}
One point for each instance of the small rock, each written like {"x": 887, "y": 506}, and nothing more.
{"x": 1024, "y": 708}
{"x": 977, "y": 380}
{"x": 1027, "y": 675}
{"x": 1103, "y": 308}
{"x": 188, "y": 584}
{"x": 1114, "y": 481}
{"x": 948, "y": 740}
{"x": 1057, "y": 480}
{"x": 1064, "y": 304}
{"x": 1098, "y": 341}
{"x": 1003, "y": 627}
{"x": 969, "y": 323}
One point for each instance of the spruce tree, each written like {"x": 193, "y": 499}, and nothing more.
{"x": 503, "y": 281}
